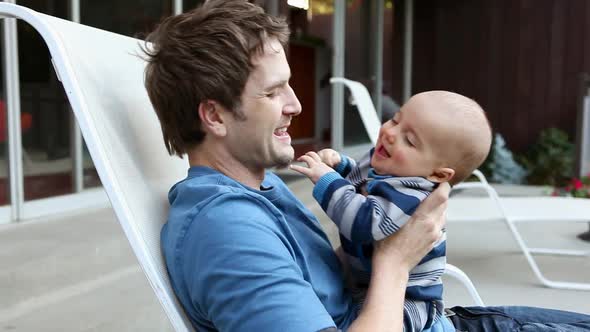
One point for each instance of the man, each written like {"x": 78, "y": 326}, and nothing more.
{"x": 243, "y": 254}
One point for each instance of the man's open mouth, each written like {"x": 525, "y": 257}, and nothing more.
{"x": 281, "y": 132}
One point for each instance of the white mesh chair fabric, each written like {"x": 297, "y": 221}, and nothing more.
{"x": 510, "y": 210}
{"x": 102, "y": 75}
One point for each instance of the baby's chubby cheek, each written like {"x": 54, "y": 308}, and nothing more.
{"x": 398, "y": 158}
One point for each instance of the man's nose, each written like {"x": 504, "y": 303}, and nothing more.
{"x": 292, "y": 106}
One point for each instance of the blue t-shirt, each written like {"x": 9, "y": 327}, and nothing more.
{"x": 251, "y": 260}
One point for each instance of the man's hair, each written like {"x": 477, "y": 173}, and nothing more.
{"x": 204, "y": 54}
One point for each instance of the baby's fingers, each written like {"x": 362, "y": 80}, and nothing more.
{"x": 301, "y": 169}
{"x": 316, "y": 157}
{"x": 309, "y": 160}
{"x": 324, "y": 154}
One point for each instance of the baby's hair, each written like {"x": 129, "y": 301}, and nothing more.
{"x": 472, "y": 131}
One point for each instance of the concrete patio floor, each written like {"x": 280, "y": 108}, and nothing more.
{"x": 77, "y": 272}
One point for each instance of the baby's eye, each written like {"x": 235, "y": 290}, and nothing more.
{"x": 409, "y": 141}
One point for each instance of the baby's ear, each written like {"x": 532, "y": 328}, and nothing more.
{"x": 441, "y": 174}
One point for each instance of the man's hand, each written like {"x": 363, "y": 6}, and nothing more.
{"x": 393, "y": 258}
{"x": 330, "y": 157}
{"x": 315, "y": 167}
{"x": 417, "y": 237}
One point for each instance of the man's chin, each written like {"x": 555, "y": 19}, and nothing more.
{"x": 284, "y": 162}
{"x": 285, "y": 159}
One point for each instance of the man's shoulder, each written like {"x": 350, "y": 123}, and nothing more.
{"x": 211, "y": 209}
{"x": 198, "y": 187}
{"x": 218, "y": 197}
{"x": 219, "y": 194}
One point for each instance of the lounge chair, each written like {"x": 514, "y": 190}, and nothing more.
{"x": 102, "y": 74}
{"x": 510, "y": 210}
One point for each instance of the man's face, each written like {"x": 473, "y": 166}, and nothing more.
{"x": 268, "y": 104}
{"x": 408, "y": 144}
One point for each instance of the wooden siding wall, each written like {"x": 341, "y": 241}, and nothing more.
{"x": 520, "y": 59}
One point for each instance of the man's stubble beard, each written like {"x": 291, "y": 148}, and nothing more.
{"x": 284, "y": 163}
{"x": 280, "y": 164}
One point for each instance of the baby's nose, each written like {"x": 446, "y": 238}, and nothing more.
{"x": 390, "y": 136}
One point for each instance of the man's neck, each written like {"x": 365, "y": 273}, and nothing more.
{"x": 223, "y": 162}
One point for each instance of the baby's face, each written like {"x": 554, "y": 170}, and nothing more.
{"x": 410, "y": 144}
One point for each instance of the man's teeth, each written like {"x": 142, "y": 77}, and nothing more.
{"x": 281, "y": 131}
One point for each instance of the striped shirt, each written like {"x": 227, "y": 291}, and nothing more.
{"x": 368, "y": 207}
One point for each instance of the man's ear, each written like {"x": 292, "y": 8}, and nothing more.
{"x": 441, "y": 174}
{"x": 212, "y": 118}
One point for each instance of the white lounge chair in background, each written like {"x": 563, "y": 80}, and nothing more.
{"x": 102, "y": 74}
{"x": 510, "y": 210}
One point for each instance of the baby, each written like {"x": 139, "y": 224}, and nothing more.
{"x": 437, "y": 136}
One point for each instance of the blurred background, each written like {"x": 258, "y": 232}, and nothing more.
{"x": 526, "y": 62}
{"x": 66, "y": 264}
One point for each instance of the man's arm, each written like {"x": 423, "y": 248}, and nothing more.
{"x": 393, "y": 258}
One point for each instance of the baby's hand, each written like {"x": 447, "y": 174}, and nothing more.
{"x": 315, "y": 167}
{"x": 330, "y": 157}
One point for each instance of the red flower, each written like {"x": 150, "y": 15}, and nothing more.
{"x": 577, "y": 183}
{"x": 576, "y": 188}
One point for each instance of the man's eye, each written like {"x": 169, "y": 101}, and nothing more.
{"x": 271, "y": 94}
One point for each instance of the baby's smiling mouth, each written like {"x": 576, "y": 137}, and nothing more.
{"x": 381, "y": 151}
